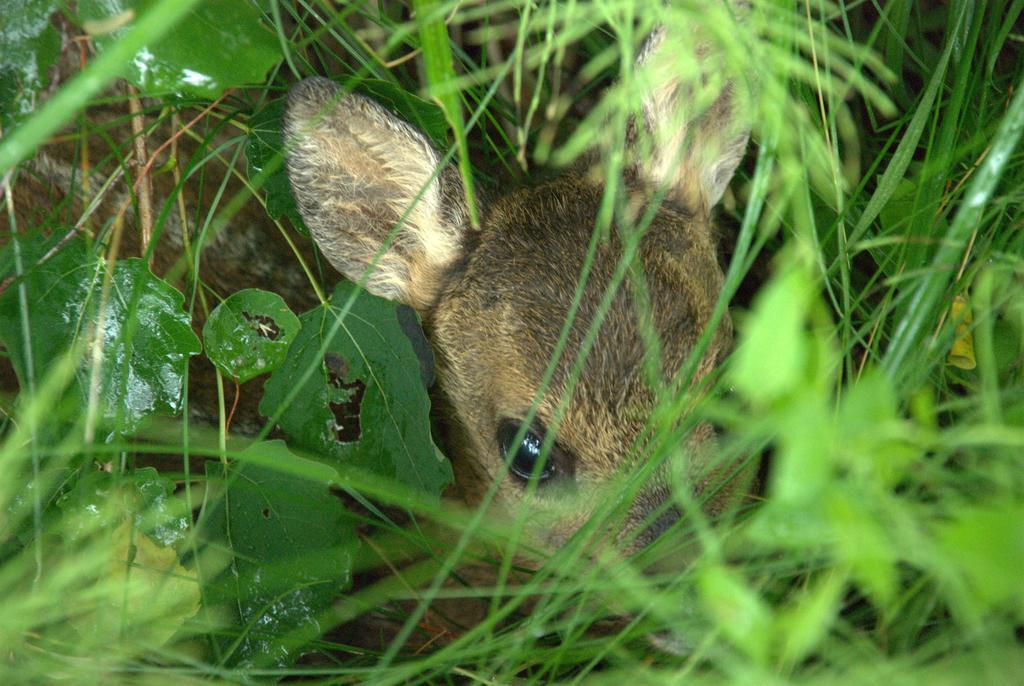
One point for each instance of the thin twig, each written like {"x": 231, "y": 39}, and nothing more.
{"x": 177, "y": 134}
{"x": 143, "y": 182}
{"x": 403, "y": 59}
{"x": 83, "y": 58}
{"x": 234, "y": 406}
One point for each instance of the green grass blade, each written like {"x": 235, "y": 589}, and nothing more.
{"x": 904, "y": 154}
{"x": 912, "y": 328}
{"x": 146, "y": 30}
{"x": 440, "y": 67}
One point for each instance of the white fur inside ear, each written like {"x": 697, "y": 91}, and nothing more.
{"x": 693, "y": 118}
{"x": 414, "y": 168}
{"x": 371, "y": 188}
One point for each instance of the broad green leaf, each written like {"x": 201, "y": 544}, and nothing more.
{"x": 279, "y": 552}
{"x": 772, "y": 358}
{"x": 804, "y": 466}
{"x": 144, "y": 345}
{"x": 871, "y": 439}
{"x": 985, "y": 545}
{"x": 249, "y": 333}
{"x": 264, "y": 152}
{"x": 142, "y": 494}
{"x": 30, "y": 47}
{"x": 363, "y": 403}
{"x": 66, "y": 102}
{"x": 136, "y": 521}
{"x": 862, "y": 543}
{"x": 737, "y": 609}
{"x": 220, "y": 44}
{"x": 146, "y": 593}
{"x": 800, "y": 628}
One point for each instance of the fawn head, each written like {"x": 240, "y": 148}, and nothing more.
{"x": 494, "y": 299}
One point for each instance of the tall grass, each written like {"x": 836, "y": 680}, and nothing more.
{"x": 879, "y": 367}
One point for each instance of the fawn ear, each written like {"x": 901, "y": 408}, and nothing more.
{"x": 695, "y": 118}
{"x": 370, "y": 186}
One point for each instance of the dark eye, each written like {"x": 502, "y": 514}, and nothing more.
{"x": 524, "y": 457}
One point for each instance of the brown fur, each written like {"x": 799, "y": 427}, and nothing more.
{"x": 495, "y": 299}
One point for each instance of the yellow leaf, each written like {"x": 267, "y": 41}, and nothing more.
{"x": 146, "y": 596}
{"x": 961, "y": 354}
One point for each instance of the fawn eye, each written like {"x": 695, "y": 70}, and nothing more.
{"x": 524, "y": 456}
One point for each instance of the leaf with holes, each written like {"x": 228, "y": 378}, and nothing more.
{"x": 144, "y": 339}
{"x": 352, "y": 390}
{"x": 219, "y": 44}
{"x": 279, "y": 552}
{"x": 249, "y": 333}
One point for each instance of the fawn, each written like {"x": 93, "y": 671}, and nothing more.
{"x": 493, "y": 300}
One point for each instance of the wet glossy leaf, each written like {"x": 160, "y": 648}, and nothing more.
{"x": 364, "y": 403}
{"x": 263, "y": 154}
{"x": 30, "y": 47}
{"x": 280, "y": 552}
{"x": 146, "y": 337}
{"x": 142, "y": 494}
{"x": 249, "y": 333}
{"x": 220, "y": 44}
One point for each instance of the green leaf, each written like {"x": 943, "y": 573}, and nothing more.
{"x": 146, "y": 336}
{"x": 364, "y": 402}
{"x": 871, "y": 441}
{"x": 801, "y": 627}
{"x": 773, "y": 357}
{"x": 440, "y": 68}
{"x": 863, "y": 544}
{"x": 984, "y": 545}
{"x": 19, "y": 144}
{"x": 30, "y": 47}
{"x": 220, "y": 44}
{"x": 280, "y": 551}
{"x": 144, "y": 591}
{"x": 737, "y": 609}
{"x": 264, "y": 151}
{"x": 143, "y": 494}
{"x": 805, "y": 462}
{"x": 249, "y": 333}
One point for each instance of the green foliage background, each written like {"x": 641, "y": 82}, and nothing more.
{"x": 877, "y": 218}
